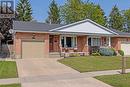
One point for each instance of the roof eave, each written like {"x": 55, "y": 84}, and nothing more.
{"x": 73, "y": 33}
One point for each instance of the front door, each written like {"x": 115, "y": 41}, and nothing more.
{"x": 51, "y": 43}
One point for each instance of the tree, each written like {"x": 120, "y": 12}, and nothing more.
{"x": 71, "y": 11}
{"x": 127, "y": 19}
{"x": 5, "y": 26}
{"x": 116, "y": 20}
{"x": 95, "y": 13}
{"x": 54, "y": 16}
{"x": 24, "y": 10}
{"x": 76, "y": 10}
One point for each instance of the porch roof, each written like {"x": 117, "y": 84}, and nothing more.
{"x": 86, "y": 26}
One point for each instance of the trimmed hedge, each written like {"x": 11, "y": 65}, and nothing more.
{"x": 107, "y": 52}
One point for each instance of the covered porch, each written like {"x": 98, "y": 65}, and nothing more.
{"x": 82, "y": 44}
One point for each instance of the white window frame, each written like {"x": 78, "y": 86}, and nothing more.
{"x": 108, "y": 42}
{"x": 73, "y": 44}
{"x": 92, "y": 37}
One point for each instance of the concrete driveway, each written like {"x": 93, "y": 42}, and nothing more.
{"x": 50, "y": 73}
{"x": 40, "y": 67}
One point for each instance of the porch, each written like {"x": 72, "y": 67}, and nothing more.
{"x": 83, "y": 44}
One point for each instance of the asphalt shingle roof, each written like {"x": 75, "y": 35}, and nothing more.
{"x": 44, "y": 27}
{"x": 34, "y": 26}
{"x": 120, "y": 33}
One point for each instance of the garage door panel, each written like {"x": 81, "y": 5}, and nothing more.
{"x": 126, "y": 48}
{"x": 33, "y": 49}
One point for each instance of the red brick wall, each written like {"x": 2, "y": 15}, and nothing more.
{"x": 28, "y": 36}
{"x": 82, "y": 44}
{"x": 116, "y": 42}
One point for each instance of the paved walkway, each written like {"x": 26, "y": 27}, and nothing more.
{"x": 50, "y": 73}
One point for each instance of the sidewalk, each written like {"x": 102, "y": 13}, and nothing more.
{"x": 107, "y": 72}
{"x": 9, "y": 81}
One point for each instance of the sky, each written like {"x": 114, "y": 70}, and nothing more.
{"x": 40, "y": 7}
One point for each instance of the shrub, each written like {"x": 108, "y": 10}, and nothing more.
{"x": 106, "y": 52}
{"x": 121, "y": 52}
{"x": 96, "y": 54}
{"x": 115, "y": 54}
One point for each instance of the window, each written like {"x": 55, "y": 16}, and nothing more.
{"x": 68, "y": 41}
{"x": 94, "y": 41}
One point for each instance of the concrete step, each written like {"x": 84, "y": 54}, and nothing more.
{"x": 54, "y": 55}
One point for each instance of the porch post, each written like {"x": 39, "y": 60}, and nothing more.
{"x": 60, "y": 41}
{"x": 65, "y": 41}
{"x": 109, "y": 42}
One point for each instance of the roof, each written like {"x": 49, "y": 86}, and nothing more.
{"x": 87, "y": 27}
{"x": 34, "y": 26}
{"x": 119, "y": 32}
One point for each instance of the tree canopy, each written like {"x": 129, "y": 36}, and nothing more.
{"x": 127, "y": 20}
{"x": 116, "y": 20}
{"x": 53, "y": 14}
{"x": 76, "y": 10}
{"x": 24, "y": 10}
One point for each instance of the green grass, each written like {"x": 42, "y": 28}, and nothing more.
{"x": 116, "y": 80}
{"x": 8, "y": 69}
{"x": 11, "y": 85}
{"x": 92, "y": 63}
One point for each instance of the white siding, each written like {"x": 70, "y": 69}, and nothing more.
{"x": 86, "y": 27}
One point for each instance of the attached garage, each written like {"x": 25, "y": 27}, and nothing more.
{"x": 33, "y": 49}
{"x": 126, "y": 48}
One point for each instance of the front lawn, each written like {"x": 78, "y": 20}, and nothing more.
{"x": 8, "y": 69}
{"x": 11, "y": 85}
{"x": 93, "y": 63}
{"x": 116, "y": 80}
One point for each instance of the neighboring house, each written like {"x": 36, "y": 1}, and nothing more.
{"x": 38, "y": 40}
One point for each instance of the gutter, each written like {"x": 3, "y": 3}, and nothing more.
{"x": 74, "y": 33}
{"x": 59, "y": 33}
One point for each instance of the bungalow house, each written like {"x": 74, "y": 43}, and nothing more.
{"x": 38, "y": 40}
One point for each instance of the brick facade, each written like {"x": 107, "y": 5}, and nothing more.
{"x": 19, "y": 37}
{"x": 82, "y": 44}
{"x": 116, "y": 42}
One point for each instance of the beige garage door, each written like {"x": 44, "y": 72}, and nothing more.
{"x": 126, "y": 48}
{"x": 33, "y": 49}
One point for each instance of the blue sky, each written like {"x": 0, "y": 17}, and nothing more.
{"x": 40, "y": 7}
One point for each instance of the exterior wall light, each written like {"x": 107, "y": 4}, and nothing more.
{"x": 33, "y": 36}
